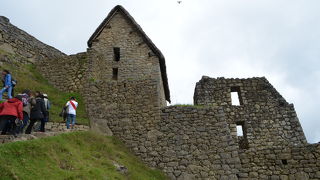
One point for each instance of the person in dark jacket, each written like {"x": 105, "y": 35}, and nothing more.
{"x": 10, "y": 111}
{"x": 38, "y": 113}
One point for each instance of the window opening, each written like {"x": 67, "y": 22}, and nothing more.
{"x": 242, "y": 135}
{"x": 239, "y": 130}
{"x": 284, "y": 161}
{"x": 236, "y": 99}
{"x": 116, "y": 52}
{"x": 114, "y": 73}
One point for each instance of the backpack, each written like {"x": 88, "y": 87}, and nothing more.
{"x": 64, "y": 113}
{"x": 14, "y": 82}
{"x": 25, "y": 99}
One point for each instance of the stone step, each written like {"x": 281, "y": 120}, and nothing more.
{"x": 52, "y": 129}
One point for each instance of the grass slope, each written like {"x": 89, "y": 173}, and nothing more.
{"x": 77, "y": 155}
{"x": 29, "y": 78}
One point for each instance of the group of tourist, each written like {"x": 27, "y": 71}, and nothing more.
{"x": 19, "y": 114}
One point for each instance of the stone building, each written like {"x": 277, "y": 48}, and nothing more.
{"x": 123, "y": 79}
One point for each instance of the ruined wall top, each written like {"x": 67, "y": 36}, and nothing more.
{"x": 217, "y": 91}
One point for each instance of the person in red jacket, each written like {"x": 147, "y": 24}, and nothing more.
{"x": 9, "y": 112}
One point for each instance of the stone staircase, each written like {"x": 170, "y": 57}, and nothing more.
{"x": 52, "y": 129}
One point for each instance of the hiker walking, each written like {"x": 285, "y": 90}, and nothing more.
{"x": 28, "y": 101}
{"x": 71, "y": 110}
{"x": 7, "y": 81}
{"x": 11, "y": 114}
{"x": 38, "y": 113}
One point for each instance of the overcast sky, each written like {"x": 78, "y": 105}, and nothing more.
{"x": 278, "y": 39}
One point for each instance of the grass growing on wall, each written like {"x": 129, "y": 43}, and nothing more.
{"x": 78, "y": 155}
{"x": 29, "y": 78}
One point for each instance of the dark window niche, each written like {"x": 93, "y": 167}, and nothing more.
{"x": 284, "y": 162}
{"x": 116, "y": 53}
{"x": 242, "y": 135}
{"x": 115, "y": 73}
{"x": 236, "y": 98}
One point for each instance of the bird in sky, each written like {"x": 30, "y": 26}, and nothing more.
{"x": 179, "y": 2}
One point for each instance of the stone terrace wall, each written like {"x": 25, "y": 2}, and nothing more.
{"x": 61, "y": 127}
{"x": 298, "y": 162}
{"x": 67, "y": 73}
{"x": 267, "y": 119}
{"x": 17, "y": 41}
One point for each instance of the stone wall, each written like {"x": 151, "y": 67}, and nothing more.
{"x": 267, "y": 119}
{"x": 185, "y": 142}
{"x": 129, "y": 108}
{"x": 217, "y": 91}
{"x": 67, "y": 73}
{"x": 61, "y": 127}
{"x": 16, "y": 41}
{"x": 136, "y": 58}
{"x": 295, "y": 162}
{"x": 193, "y": 142}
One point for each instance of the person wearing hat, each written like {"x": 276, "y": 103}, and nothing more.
{"x": 47, "y": 105}
{"x": 72, "y": 111}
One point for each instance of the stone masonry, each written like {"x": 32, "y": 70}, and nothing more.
{"x": 123, "y": 79}
{"x": 16, "y": 41}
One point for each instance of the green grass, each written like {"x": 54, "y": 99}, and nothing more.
{"x": 77, "y": 155}
{"x": 29, "y": 78}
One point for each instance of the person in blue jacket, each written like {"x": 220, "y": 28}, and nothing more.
{"x": 7, "y": 84}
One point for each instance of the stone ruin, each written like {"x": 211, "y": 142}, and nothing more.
{"x": 123, "y": 79}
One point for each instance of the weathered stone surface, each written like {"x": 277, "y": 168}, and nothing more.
{"x": 15, "y": 40}
{"x": 101, "y": 126}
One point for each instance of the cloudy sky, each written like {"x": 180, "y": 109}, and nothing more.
{"x": 278, "y": 39}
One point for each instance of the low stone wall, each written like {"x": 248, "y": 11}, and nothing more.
{"x": 16, "y": 41}
{"x": 61, "y": 127}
